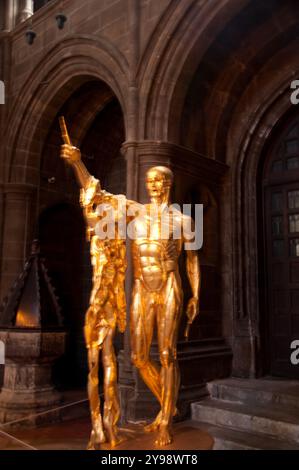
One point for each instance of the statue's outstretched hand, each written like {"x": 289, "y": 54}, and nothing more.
{"x": 68, "y": 152}
{"x": 192, "y": 312}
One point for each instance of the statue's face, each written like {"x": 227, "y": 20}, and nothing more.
{"x": 155, "y": 182}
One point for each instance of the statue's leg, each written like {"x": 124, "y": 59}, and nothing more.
{"x": 97, "y": 433}
{"x": 111, "y": 404}
{"x": 168, "y": 322}
{"x": 141, "y": 329}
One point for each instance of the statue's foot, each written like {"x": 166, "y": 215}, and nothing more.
{"x": 154, "y": 426}
{"x": 111, "y": 416}
{"x": 90, "y": 446}
{"x": 115, "y": 441}
{"x": 96, "y": 438}
{"x": 164, "y": 437}
{"x": 113, "y": 436}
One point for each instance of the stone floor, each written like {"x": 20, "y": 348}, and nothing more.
{"x": 71, "y": 431}
{"x": 73, "y": 435}
{"x": 239, "y": 414}
{"x": 67, "y": 435}
{"x": 73, "y": 423}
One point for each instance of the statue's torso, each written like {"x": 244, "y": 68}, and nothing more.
{"x": 155, "y": 256}
{"x": 149, "y": 263}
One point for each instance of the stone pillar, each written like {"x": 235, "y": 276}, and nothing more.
{"x": 18, "y": 230}
{"x": 126, "y": 373}
{"x": 25, "y": 10}
{"x": 242, "y": 298}
{"x": 127, "y": 377}
{"x": 5, "y": 66}
{"x": 1, "y": 225}
{"x": 5, "y": 54}
{"x": 10, "y": 14}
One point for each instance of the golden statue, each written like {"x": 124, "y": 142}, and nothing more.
{"x": 157, "y": 297}
{"x": 157, "y": 291}
{"x": 106, "y": 310}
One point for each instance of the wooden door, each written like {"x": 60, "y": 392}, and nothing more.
{"x": 281, "y": 220}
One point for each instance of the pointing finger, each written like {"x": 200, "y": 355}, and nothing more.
{"x": 64, "y": 132}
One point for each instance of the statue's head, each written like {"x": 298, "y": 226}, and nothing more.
{"x": 158, "y": 182}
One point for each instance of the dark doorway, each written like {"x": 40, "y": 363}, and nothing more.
{"x": 281, "y": 248}
{"x": 62, "y": 237}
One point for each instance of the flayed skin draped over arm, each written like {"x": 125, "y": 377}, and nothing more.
{"x": 192, "y": 268}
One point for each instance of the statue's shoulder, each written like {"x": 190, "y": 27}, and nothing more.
{"x": 113, "y": 198}
{"x": 176, "y": 211}
{"x": 186, "y": 218}
{"x": 187, "y": 224}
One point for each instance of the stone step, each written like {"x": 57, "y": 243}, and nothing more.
{"x": 230, "y": 439}
{"x": 257, "y": 391}
{"x": 275, "y": 421}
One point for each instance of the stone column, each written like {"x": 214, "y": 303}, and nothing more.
{"x": 10, "y": 14}
{"x": 127, "y": 374}
{"x": 1, "y": 220}
{"x": 17, "y": 231}
{"x": 25, "y": 10}
{"x": 5, "y": 66}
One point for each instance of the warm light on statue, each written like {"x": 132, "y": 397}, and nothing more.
{"x": 156, "y": 298}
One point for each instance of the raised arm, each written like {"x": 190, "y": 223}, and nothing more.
{"x": 72, "y": 156}
{"x": 91, "y": 191}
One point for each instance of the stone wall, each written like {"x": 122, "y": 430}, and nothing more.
{"x": 200, "y": 85}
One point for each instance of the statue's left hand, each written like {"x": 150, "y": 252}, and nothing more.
{"x": 192, "y": 312}
{"x": 192, "y": 309}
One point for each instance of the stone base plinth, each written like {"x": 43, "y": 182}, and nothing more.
{"x": 27, "y": 391}
{"x": 24, "y": 408}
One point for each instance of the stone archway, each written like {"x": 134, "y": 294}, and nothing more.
{"x": 66, "y": 68}
{"x": 248, "y": 342}
{"x": 172, "y": 57}
{"x": 73, "y": 82}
